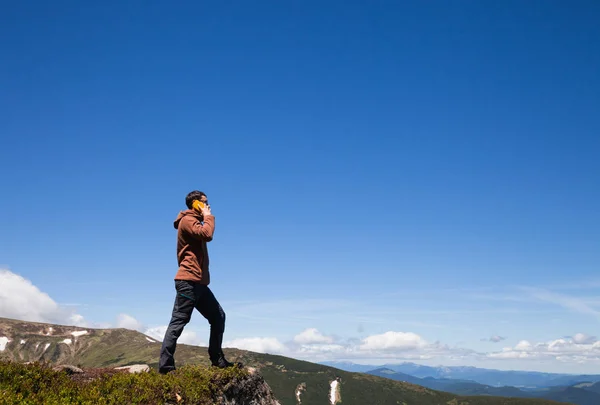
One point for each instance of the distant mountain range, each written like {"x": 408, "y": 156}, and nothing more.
{"x": 494, "y": 378}
{"x": 576, "y": 389}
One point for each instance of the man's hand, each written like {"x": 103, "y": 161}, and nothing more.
{"x": 206, "y": 210}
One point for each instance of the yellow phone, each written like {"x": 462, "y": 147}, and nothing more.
{"x": 198, "y": 205}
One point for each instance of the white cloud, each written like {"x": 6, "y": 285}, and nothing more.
{"x": 312, "y": 336}
{"x": 77, "y": 320}
{"x": 157, "y": 332}
{"x": 509, "y": 355}
{"x": 583, "y": 339}
{"x": 559, "y": 345}
{"x": 20, "y": 299}
{"x": 393, "y": 340}
{"x": 187, "y": 337}
{"x": 578, "y": 349}
{"x": 128, "y": 322}
{"x": 389, "y": 346}
{"x": 523, "y": 345}
{"x": 257, "y": 344}
{"x": 321, "y": 349}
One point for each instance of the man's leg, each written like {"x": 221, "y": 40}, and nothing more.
{"x": 182, "y": 313}
{"x": 210, "y": 308}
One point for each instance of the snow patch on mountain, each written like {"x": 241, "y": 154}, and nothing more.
{"x": 333, "y": 393}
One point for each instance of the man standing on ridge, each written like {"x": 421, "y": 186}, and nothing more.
{"x": 195, "y": 227}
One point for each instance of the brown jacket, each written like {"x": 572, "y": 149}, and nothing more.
{"x": 192, "y": 252}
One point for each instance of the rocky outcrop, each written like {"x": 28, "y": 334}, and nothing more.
{"x": 68, "y": 369}
{"x": 135, "y": 368}
{"x": 250, "y": 390}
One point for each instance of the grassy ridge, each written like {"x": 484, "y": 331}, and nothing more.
{"x": 34, "y": 384}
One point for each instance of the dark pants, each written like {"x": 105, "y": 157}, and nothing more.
{"x": 192, "y": 295}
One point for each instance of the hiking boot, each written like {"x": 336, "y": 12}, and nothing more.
{"x": 223, "y": 363}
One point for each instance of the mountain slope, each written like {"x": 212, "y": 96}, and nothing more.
{"x": 28, "y": 341}
{"x": 573, "y": 395}
{"x": 595, "y": 387}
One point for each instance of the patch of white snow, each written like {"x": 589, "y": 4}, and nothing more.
{"x": 150, "y": 340}
{"x": 23, "y": 342}
{"x": 79, "y": 333}
{"x": 47, "y": 346}
{"x": 67, "y": 341}
{"x": 3, "y": 341}
{"x": 333, "y": 392}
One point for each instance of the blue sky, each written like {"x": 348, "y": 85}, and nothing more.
{"x": 426, "y": 170}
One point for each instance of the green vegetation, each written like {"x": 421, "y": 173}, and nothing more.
{"x": 39, "y": 384}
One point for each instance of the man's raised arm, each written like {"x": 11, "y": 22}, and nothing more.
{"x": 203, "y": 231}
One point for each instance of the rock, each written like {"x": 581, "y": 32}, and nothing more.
{"x": 68, "y": 369}
{"x": 135, "y": 368}
{"x": 251, "y": 390}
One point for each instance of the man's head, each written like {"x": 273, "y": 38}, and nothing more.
{"x": 195, "y": 195}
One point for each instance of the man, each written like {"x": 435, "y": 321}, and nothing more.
{"x": 195, "y": 227}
